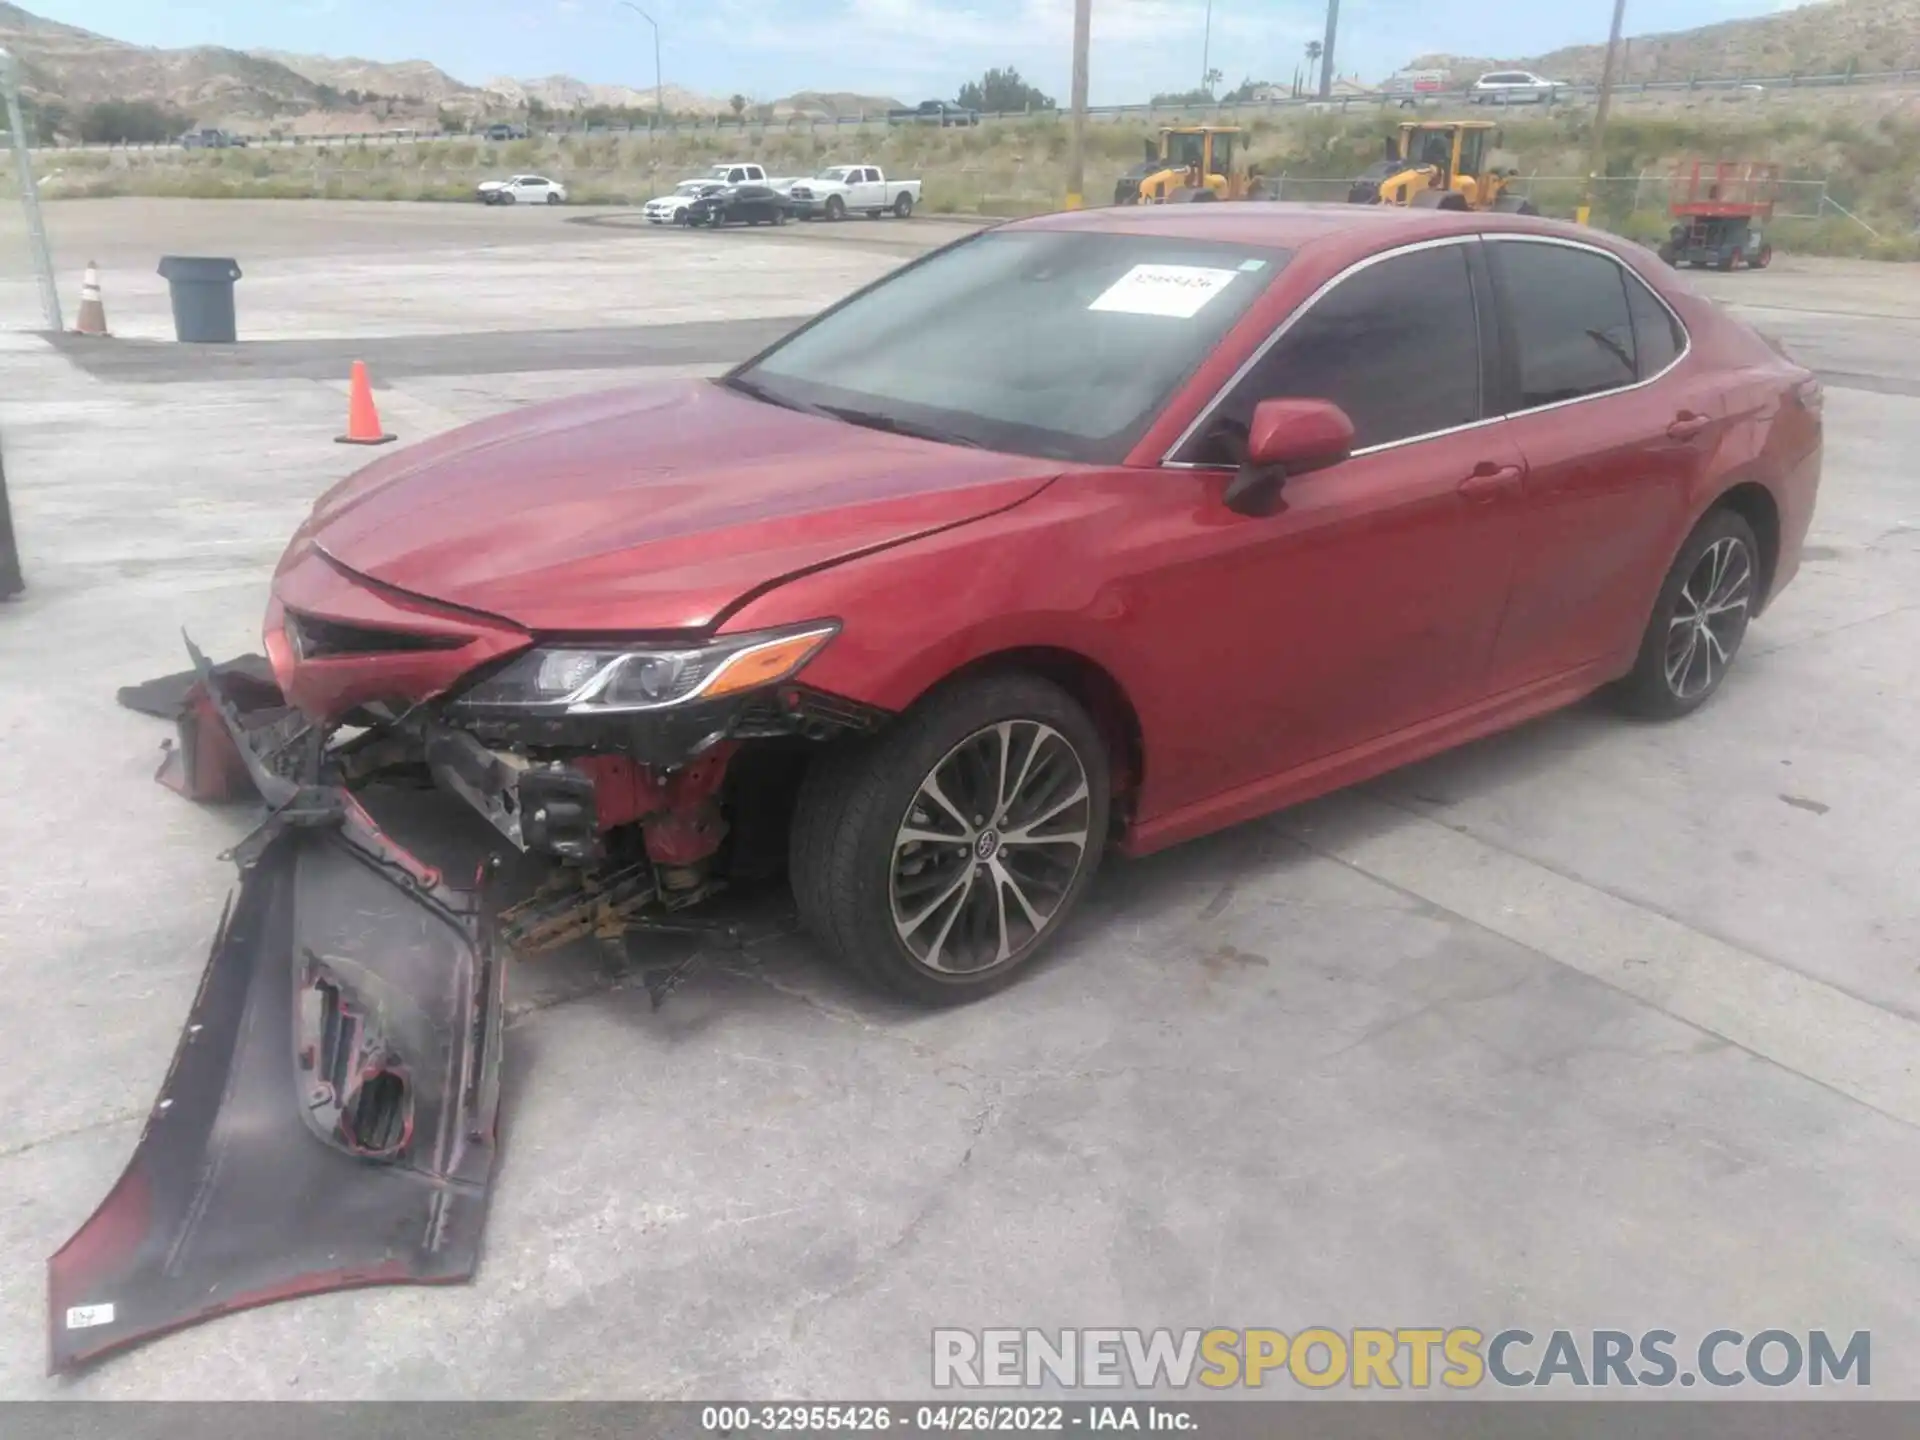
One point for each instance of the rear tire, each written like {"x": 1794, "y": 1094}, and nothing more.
{"x": 1731, "y": 260}
{"x": 552, "y": 199}
{"x": 1764, "y": 258}
{"x": 903, "y": 207}
{"x": 1438, "y": 200}
{"x": 958, "y": 914}
{"x": 1698, "y": 621}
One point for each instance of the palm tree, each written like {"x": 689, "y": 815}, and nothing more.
{"x": 1314, "y": 51}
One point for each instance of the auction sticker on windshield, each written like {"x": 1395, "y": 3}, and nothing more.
{"x": 1176, "y": 290}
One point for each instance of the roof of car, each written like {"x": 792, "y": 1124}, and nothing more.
{"x": 1293, "y": 226}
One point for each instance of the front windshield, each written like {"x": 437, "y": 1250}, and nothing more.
{"x": 1056, "y": 343}
{"x": 691, "y": 187}
{"x": 833, "y": 172}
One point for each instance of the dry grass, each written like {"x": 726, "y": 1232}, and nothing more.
{"x": 1869, "y": 163}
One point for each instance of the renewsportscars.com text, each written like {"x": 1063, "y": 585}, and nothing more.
{"x": 1457, "y": 1358}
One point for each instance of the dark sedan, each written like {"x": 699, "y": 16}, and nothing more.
{"x": 740, "y": 205}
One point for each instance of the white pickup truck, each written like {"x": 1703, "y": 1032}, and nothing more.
{"x": 840, "y": 190}
{"x": 743, "y": 172}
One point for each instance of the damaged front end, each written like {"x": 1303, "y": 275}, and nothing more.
{"x": 329, "y": 1117}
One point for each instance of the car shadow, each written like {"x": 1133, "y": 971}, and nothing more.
{"x": 774, "y": 965}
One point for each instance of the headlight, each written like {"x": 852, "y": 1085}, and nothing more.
{"x": 606, "y": 679}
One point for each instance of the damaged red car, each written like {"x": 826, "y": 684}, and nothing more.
{"x": 1101, "y": 530}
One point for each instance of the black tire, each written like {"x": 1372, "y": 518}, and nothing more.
{"x": 856, "y": 799}
{"x": 552, "y": 199}
{"x": 836, "y": 208}
{"x": 1438, "y": 200}
{"x": 1669, "y": 254}
{"x": 1515, "y": 205}
{"x": 903, "y": 206}
{"x": 779, "y": 217}
{"x": 1651, "y": 690}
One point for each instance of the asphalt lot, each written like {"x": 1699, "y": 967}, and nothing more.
{"x": 1591, "y": 1025}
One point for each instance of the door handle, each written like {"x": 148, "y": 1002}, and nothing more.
{"x": 1488, "y": 480}
{"x": 1686, "y": 425}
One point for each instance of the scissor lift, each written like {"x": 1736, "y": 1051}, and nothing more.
{"x": 1717, "y": 207}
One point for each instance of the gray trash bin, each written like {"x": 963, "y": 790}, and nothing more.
{"x": 202, "y": 291}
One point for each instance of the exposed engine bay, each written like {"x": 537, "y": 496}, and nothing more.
{"x": 329, "y": 1119}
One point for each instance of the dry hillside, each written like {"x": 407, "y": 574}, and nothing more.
{"x": 303, "y": 93}
{"x": 66, "y": 63}
{"x": 1824, "y": 37}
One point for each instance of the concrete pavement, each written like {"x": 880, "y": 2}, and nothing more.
{"x": 1591, "y": 1025}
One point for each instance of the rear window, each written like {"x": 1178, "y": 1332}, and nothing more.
{"x": 1570, "y": 321}
{"x": 1658, "y": 338}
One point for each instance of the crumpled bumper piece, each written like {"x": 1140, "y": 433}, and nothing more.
{"x": 329, "y": 1118}
{"x": 205, "y": 761}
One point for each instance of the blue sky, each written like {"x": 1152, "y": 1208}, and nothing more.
{"x": 907, "y": 48}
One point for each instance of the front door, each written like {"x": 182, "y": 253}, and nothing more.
{"x": 1369, "y": 600}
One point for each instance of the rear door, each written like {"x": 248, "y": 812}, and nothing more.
{"x": 1616, "y": 427}
{"x": 1369, "y": 599}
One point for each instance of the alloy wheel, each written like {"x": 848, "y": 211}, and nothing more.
{"x": 1709, "y": 618}
{"x": 990, "y": 847}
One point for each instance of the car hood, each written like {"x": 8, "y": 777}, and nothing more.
{"x": 651, "y": 508}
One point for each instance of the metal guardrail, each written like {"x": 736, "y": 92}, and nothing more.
{"x": 1340, "y": 104}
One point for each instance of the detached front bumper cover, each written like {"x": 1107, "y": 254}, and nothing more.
{"x": 329, "y": 1118}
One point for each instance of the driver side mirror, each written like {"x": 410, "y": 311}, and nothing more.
{"x": 1287, "y": 437}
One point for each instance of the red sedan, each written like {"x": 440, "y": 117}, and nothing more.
{"x": 1109, "y": 528}
{"x": 1101, "y": 529}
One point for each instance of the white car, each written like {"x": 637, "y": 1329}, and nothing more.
{"x": 522, "y": 190}
{"x": 671, "y": 208}
{"x": 1514, "y": 87}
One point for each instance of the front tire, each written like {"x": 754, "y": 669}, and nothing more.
{"x": 1698, "y": 622}
{"x": 836, "y": 208}
{"x": 939, "y": 859}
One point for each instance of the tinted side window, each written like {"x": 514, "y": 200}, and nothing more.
{"x": 1396, "y": 346}
{"x": 1657, "y": 336}
{"x": 1570, "y": 321}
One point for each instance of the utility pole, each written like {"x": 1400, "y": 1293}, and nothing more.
{"x": 29, "y": 192}
{"x": 1206, "y": 49}
{"x": 12, "y": 582}
{"x": 1603, "y": 103}
{"x": 659, "y": 91}
{"x": 1077, "y": 122}
{"x": 1326, "y": 50}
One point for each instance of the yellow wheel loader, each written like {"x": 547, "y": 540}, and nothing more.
{"x": 1443, "y": 165}
{"x": 1187, "y": 162}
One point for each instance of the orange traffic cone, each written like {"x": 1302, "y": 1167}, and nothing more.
{"x": 363, "y": 421}
{"x": 93, "y": 314}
